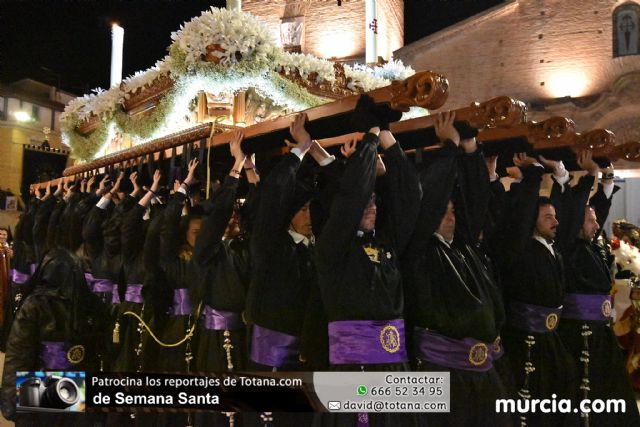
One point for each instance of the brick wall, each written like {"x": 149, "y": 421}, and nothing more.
{"x": 332, "y": 30}
{"x": 528, "y": 49}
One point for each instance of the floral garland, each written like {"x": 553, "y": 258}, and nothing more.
{"x": 240, "y": 53}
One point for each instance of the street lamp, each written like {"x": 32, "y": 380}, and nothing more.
{"x": 22, "y": 116}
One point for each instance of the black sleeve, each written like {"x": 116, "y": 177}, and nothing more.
{"x": 92, "y": 231}
{"x": 170, "y": 239}
{"x": 41, "y": 223}
{"x": 55, "y": 221}
{"x": 21, "y": 354}
{"x": 132, "y": 232}
{"x": 522, "y": 215}
{"x": 401, "y": 197}
{"x": 437, "y": 183}
{"x": 356, "y": 186}
{"x": 214, "y": 225}
{"x": 601, "y": 204}
{"x": 475, "y": 192}
{"x": 271, "y": 220}
{"x": 570, "y": 207}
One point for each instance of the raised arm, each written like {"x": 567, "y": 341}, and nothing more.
{"x": 214, "y": 225}
{"x": 475, "y": 193}
{"x": 132, "y": 230}
{"x": 572, "y": 201}
{"x": 401, "y": 193}
{"x": 601, "y": 200}
{"x": 277, "y": 191}
{"x": 438, "y": 180}
{"x": 521, "y": 218}
{"x": 356, "y": 187}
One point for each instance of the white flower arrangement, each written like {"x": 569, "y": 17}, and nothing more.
{"x": 306, "y": 64}
{"x": 248, "y": 57}
{"x": 241, "y": 36}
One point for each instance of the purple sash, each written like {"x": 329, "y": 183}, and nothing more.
{"x": 115, "y": 295}
{"x": 98, "y": 285}
{"x": 587, "y": 307}
{"x": 181, "y": 302}
{"x": 468, "y": 353}
{"x": 272, "y": 348}
{"x": 366, "y": 342}
{"x": 534, "y": 318}
{"x": 219, "y": 320}
{"x": 18, "y": 277}
{"x": 54, "y": 355}
{"x": 134, "y": 294}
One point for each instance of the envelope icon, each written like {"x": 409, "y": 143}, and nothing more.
{"x": 334, "y": 406}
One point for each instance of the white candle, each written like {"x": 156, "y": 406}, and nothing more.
{"x": 371, "y": 30}
{"x": 117, "y": 42}
{"x": 234, "y": 4}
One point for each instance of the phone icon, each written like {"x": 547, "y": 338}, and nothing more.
{"x": 362, "y": 390}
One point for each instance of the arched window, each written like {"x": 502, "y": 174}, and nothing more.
{"x": 626, "y": 30}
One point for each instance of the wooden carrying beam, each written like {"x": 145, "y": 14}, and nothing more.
{"x": 424, "y": 89}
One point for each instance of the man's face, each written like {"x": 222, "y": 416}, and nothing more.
{"x": 233, "y": 227}
{"x": 447, "y": 227}
{"x": 301, "y": 221}
{"x": 3, "y": 237}
{"x": 193, "y": 230}
{"x": 368, "y": 221}
{"x": 590, "y": 226}
{"x": 546, "y": 223}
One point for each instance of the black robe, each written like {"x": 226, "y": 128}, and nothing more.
{"x": 174, "y": 262}
{"x": 450, "y": 290}
{"x": 282, "y": 272}
{"x": 353, "y": 285}
{"x": 133, "y": 232}
{"x": 533, "y": 275}
{"x": 588, "y": 273}
{"x": 223, "y": 277}
{"x": 60, "y": 310}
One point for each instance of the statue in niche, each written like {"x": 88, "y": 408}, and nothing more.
{"x": 291, "y": 30}
{"x": 626, "y": 30}
{"x": 259, "y": 109}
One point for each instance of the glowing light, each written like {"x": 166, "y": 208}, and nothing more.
{"x": 336, "y": 44}
{"x": 569, "y": 82}
{"x": 117, "y": 42}
{"x": 22, "y": 116}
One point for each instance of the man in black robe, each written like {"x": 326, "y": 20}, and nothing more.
{"x": 357, "y": 257}
{"x": 453, "y": 303}
{"x": 533, "y": 282}
{"x": 586, "y": 315}
{"x": 281, "y": 295}
{"x": 221, "y": 259}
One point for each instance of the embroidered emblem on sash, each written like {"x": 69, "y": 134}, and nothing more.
{"x": 390, "y": 339}
{"x": 478, "y": 354}
{"x": 552, "y": 321}
{"x": 75, "y": 354}
{"x": 606, "y": 308}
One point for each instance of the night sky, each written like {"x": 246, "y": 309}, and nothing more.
{"x": 68, "y": 42}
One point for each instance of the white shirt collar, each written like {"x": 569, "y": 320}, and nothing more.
{"x": 361, "y": 233}
{"x": 545, "y": 243}
{"x": 442, "y": 239}
{"x": 297, "y": 238}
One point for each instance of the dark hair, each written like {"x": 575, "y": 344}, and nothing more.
{"x": 544, "y": 201}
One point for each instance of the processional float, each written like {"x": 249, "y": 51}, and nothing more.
{"x": 503, "y": 128}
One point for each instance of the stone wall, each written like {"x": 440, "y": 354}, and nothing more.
{"x": 333, "y": 31}
{"x": 528, "y": 49}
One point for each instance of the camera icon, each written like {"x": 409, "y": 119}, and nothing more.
{"x": 53, "y": 392}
